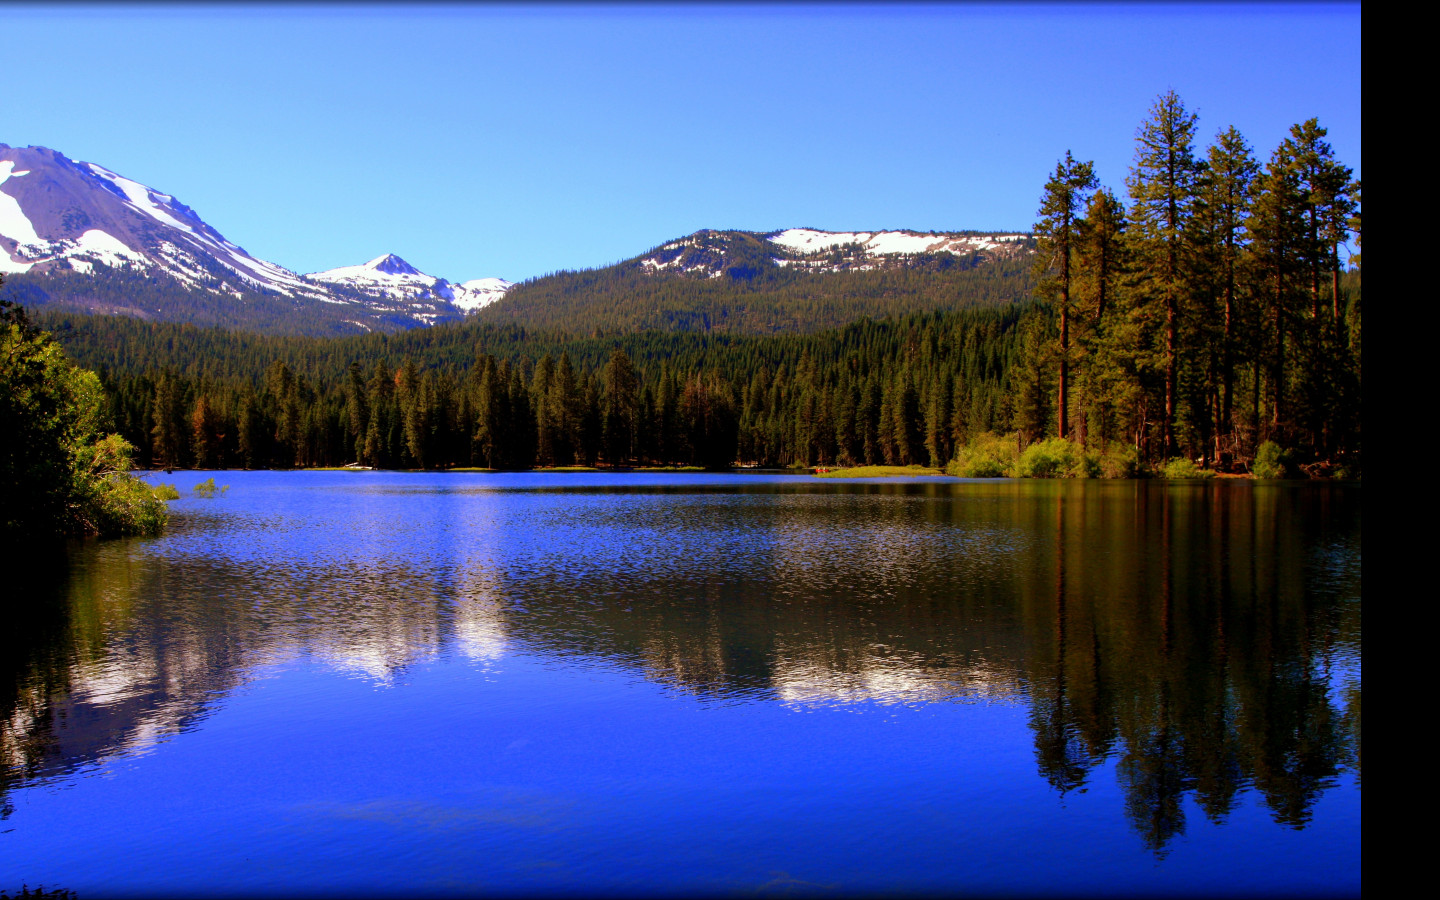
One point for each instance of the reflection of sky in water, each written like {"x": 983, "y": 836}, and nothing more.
{"x": 565, "y": 603}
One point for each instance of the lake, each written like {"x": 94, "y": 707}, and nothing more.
{"x": 373, "y": 683}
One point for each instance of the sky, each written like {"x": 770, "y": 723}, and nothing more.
{"x": 511, "y": 141}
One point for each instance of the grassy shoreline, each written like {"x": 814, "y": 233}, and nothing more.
{"x": 877, "y": 472}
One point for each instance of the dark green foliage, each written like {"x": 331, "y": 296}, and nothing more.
{"x": 60, "y": 473}
{"x": 1209, "y": 317}
{"x": 1271, "y": 461}
{"x": 899, "y": 391}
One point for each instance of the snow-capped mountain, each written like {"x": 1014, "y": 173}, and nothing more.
{"x": 713, "y": 253}
{"x": 60, "y": 213}
{"x": 78, "y": 234}
{"x": 393, "y": 278}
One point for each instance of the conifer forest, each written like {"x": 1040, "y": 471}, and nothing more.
{"x": 1205, "y": 307}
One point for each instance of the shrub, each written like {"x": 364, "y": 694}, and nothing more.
{"x": 111, "y": 501}
{"x": 1121, "y": 461}
{"x": 1087, "y": 466}
{"x": 1271, "y": 461}
{"x": 987, "y": 455}
{"x": 127, "y": 505}
{"x": 1181, "y": 467}
{"x": 1052, "y": 458}
{"x": 60, "y": 474}
{"x": 208, "y": 489}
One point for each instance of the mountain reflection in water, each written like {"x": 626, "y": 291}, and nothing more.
{"x": 1205, "y": 638}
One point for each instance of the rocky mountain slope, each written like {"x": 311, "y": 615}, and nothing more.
{"x": 77, "y": 235}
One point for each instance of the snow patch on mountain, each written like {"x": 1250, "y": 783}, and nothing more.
{"x": 479, "y": 292}
{"x": 96, "y": 246}
{"x": 888, "y": 243}
{"x": 14, "y": 224}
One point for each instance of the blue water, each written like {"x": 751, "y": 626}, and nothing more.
{"x": 385, "y": 684}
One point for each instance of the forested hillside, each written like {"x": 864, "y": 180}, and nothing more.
{"x": 502, "y": 397}
{"x": 730, "y": 281}
{"x": 1210, "y": 315}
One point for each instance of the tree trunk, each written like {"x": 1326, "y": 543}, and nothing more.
{"x": 1279, "y": 375}
{"x": 1064, "y": 399}
{"x": 1171, "y": 314}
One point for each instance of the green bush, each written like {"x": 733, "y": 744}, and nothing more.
{"x": 59, "y": 473}
{"x": 1121, "y": 461}
{"x": 1182, "y": 468}
{"x": 1271, "y": 461}
{"x": 208, "y": 490}
{"x": 1087, "y": 466}
{"x": 1052, "y": 458}
{"x": 111, "y": 501}
{"x": 987, "y": 455}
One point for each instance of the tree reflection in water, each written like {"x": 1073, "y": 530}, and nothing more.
{"x": 1205, "y": 639}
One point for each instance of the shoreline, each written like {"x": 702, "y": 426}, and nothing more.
{"x": 855, "y": 473}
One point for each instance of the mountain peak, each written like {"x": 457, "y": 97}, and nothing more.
{"x": 391, "y": 264}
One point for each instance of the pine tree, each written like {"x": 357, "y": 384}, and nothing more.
{"x": 1061, "y": 206}
{"x": 357, "y": 410}
{"x": 1326, "y": 187}
{"x": 546, "y": 428}
{"x": 1227, "y": 190}
{"x": 1162, "y": 191}
{"x": 380, "y": 394}
{"x": 1278, "y": 230}
{"x": 1100, "y": 267}
{"x": 622, "y": 397}
{"x": 169, "y": 432}
{"x": 205, "y": 434}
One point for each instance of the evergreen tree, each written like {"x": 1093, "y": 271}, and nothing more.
{"x": 206, "y": 438}
{"x": 357, "y": 410}
{"x": 1162, "y": 190}
{"x": 1061, "y": 206}
{"x": 1226, "y": 193}
{"x": 1100, "y": 264}
{"x": 621, "y": 408}
{"x": 169, "y": 432}
{"x": 1278, "y": 229}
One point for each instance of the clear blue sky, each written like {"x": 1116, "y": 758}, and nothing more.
{"x": 512, "y": 141}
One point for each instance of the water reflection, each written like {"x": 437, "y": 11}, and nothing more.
{"x": 1204, "y": 639}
